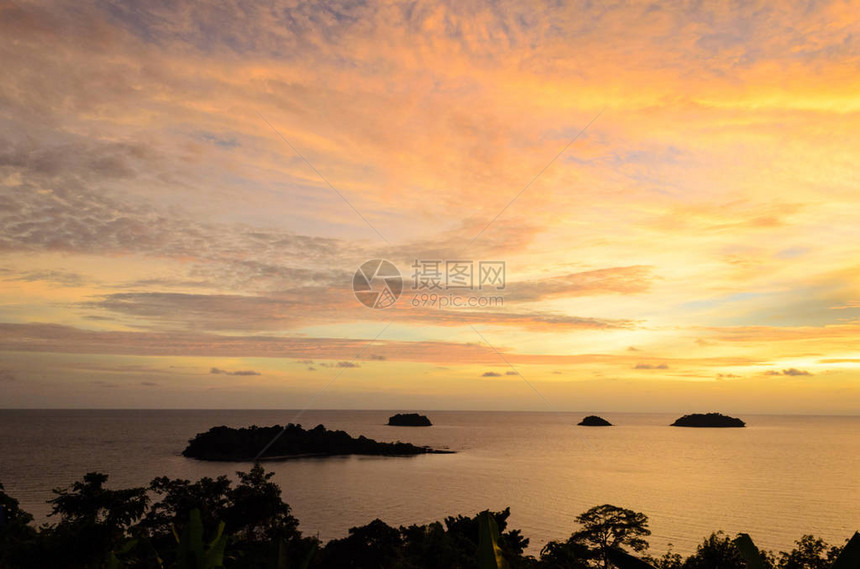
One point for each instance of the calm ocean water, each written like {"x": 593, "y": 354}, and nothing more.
{"x": 779, "y": 478}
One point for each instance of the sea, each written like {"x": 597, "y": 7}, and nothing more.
{"x": 777, "y": 479}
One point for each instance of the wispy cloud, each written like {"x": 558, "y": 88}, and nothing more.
{"x": 790, "y": 371}
{"x": 248, "y": 372}
{"x": 651, "y": 366}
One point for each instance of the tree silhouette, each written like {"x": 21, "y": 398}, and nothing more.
{"x": 93, "y": 521}
{"x": 609, "y": 527}
{"x": 810, "y": 553}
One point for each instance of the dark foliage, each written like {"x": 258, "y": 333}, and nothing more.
{"x": 137, "y": 528}
{"x": 604, "y": 528}
{"x": 810, "y": 553}
{"x": 94, "y": 521}
{"x": 718, "y": 552}
{"x": 669, "y": 560}
{"x": 566, "y": 555}
{"x": 451, "y": 545}
{"x": 254, "y": 514}
{"x": 16, "y": 534}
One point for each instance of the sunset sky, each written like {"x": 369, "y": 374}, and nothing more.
{"x": 187, "y": 190}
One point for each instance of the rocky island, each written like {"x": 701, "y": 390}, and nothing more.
{"x": 243, "y": 444}
{"x": 711, "y": 420}
{"x": 409, "y": 420}
{"x": 594, "y": 421}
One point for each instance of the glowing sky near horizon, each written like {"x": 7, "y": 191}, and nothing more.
{"x": 694, "y": 249}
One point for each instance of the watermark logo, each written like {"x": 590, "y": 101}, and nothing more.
{"x": 437, "y": 274}
{"x": 377, "y": 283}
{"x": 437, "y": 283}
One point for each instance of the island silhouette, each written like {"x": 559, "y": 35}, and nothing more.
{"x": 281, "y": 443}
{"x": 709, "y": 420}
{"x": 409, "y": 420}
{"x": 594, "y": 421}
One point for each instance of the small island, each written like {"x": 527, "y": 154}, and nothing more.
{"x": 244, "y": 444}
{"x": 409, "y": 420}
{"x": 594, "y": 421}
{"x": 709, "y": 420}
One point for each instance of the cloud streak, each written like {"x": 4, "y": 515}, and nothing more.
{"x": 249, "y": 372}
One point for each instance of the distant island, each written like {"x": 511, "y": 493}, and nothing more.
{"x": 409, "y": 420}
{"x": 708, "y": 420}
{"x": 595, "y": 421}
{"x": 243, "y": 444}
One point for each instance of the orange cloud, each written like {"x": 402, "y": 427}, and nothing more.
{"x": 148, "y": 207}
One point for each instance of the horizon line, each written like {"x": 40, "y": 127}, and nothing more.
{"x": 402, "y": 410}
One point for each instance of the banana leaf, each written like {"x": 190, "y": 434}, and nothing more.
{"x": 283, "y": 561}
{"x": 749, "y": 551}
{"x": 190, "y": 551}
{"x": 624, "y": 560}
{"x": 489, "y": 552}
{"x": 850, "y": 556}
{"x": 214, "y": 554}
